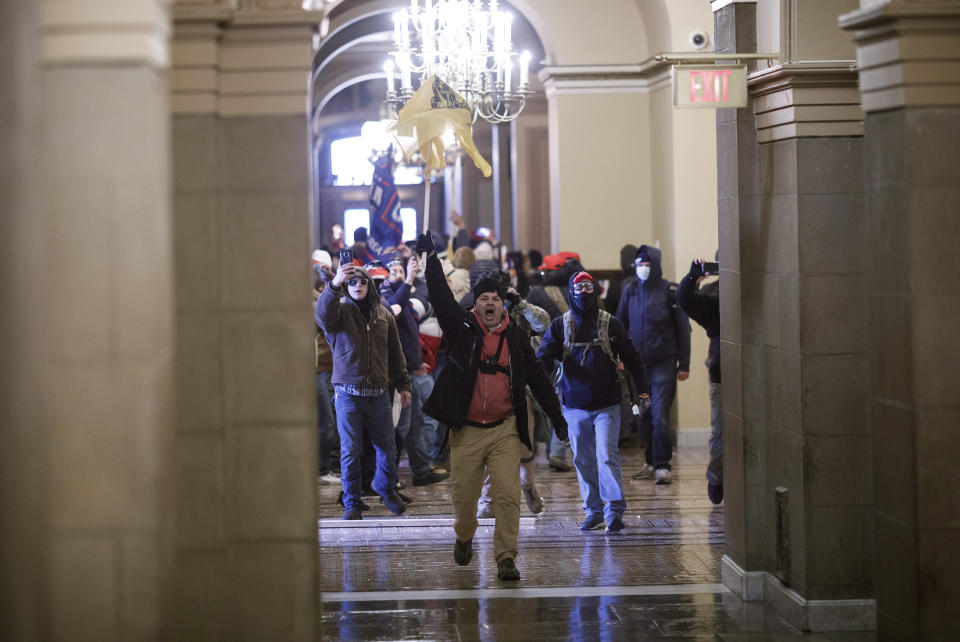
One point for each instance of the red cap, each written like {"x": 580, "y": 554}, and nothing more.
{"x": 568, "y": 255}
{"x": 583, "y": 276}
{"x": 551, "y": 262}
{"x": 378, "y": 272}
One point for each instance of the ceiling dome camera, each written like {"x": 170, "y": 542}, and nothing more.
{"x": 699, "y": 40}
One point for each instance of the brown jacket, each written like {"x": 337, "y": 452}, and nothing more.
{"x": 364, "y": 353}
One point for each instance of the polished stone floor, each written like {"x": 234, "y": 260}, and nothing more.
{"x": 393, "y": 578}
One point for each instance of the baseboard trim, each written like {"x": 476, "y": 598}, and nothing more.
{"x": 693, "y": 437}
{"x": 806, "y": 615}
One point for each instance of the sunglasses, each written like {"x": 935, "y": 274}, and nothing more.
{"x": 583, "y": 287}
{"x": 356, "y": 282}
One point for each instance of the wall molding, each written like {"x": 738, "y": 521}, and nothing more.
{"x": 908, "y": 54}
{"x": 806, "y": 615}
{"x": 806, "y": 99}
{"x": 241, "y": 63}
{"x": 646, "y": 77}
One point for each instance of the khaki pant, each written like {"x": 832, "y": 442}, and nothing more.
{"x": 473, "y": 453}
{"x": 528, "y": 469}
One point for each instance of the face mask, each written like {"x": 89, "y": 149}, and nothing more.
{"x": 643, "y": 272}
{"x": 585, "y": 300}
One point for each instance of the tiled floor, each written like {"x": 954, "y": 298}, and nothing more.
{"x": 393, "y": 578}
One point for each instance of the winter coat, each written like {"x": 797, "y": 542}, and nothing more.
{"x": 407, "y": 325}
{"x": 454, "y": 387}
{"x": 364, "y": 352}
{"x": 589, "y": 378}
{"x": 657, "y": 326}
{"x": 703, "y": 306}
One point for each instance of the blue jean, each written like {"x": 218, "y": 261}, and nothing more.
{"x": 422, "y": 387}
{"x": 655, "y": 421}
{"x": 375, "y": 415}
{"x": 412, "y": 425}
{"x": 326, "y": 428}
{"x": 593, "y": 438}
{"x": 715, "y": 467}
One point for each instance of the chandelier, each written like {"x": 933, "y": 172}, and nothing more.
{"x": 466, "y": 46}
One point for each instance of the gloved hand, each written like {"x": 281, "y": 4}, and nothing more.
{"x": 425, "y": 244}
{"x": 560, "y": 428}
{"x": 643, "y": 401}
{"x": 512, "y": 297}
{"x": 696, "y": 269}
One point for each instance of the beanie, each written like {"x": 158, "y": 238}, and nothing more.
{"x": 643, "y": 255}
{"x": 322, "y": 257}
{"x": 489, "y": 284}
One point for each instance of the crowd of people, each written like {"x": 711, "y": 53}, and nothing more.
{"x": 466, "y": 357}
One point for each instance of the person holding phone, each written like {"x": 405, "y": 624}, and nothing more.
{"x": 367, "y": 360}
{"x": 699, "y": 296}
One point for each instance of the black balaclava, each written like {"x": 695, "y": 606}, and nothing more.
{"x": 366, "y": 303}
{"x": 583, "y": 305}
{"x": 628, "y": 254}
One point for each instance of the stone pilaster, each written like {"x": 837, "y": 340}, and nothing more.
{"x": 245, "y": 444}
{"x": 907, "y": 54}
{"x": 106, "y": 363}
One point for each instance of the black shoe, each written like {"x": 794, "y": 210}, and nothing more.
{"x": 363, "y": 504}
{"x": 430, "y": 477}
{"x": 463, "y": 552}
{"x": 394, "y": 502}
{"x": 406, "y": 498}
{"x": 715, "y": 493}
{"x": 592, "y": 523}
{"x": 507, "y": 570}
{"x": 352, "y": 513}
{"x": 615, "y": 525}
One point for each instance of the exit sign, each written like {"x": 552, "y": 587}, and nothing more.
{"x": 700, "y": 86}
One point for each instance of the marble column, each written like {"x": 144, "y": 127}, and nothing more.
{"x": 908, "y": 55}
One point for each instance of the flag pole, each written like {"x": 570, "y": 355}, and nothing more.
{"x": 426, "y": 214}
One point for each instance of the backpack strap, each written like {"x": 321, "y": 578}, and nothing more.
{"x": 602, "y": 340}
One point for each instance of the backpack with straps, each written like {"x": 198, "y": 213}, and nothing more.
{"x": 602, "y": 340}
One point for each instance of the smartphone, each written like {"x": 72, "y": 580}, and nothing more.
{"x": 483, "y": 232}
{"x": 346, "y": 256}
{"x": 711, "y": 268}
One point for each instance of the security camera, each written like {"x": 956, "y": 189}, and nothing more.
{"x": 699, "y": 40}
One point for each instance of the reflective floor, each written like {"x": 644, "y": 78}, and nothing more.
{"x": 393, "y": 578}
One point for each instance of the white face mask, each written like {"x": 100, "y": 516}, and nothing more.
{"x": 643, "y": 272}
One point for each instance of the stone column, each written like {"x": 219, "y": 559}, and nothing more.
{"x": 105, "y": 360}
{"x": 908, "y": 54}
{"x": 245, "y": 497}
{"x": 794, "y": 225}
{"x": 22, "y": 429}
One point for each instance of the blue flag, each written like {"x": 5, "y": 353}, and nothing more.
{"x": 386, "y": 226}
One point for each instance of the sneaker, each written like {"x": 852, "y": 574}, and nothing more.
{"x": 592, "y": 523}
{"x": 560, "y": 465}
{"x": 663, "y": 476}
{"x": 328, "y": 478}
{"x": 645, "y": 473}
{"x": 507, "y": 570}
{"x": 463, "y": 552}
{"x": 352, "y": 513}
{"x": 715, "y": 493}
{"x": 533, "y": 499}
{"x": 615, "y": 525}
{"x": 395, "y": 503}
{"x": 430, "y": 477}
{"x": 484, "y": 511}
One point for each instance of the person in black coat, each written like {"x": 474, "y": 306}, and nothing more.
{"x": 481, "y": 395}
{"x": 699, "y": 296}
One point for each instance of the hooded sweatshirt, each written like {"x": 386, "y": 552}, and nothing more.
{"x": 589, "y": 377}
{"x": 398, "y": 293}
{"x": 657, "y": 326}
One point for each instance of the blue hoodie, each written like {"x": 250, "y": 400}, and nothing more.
{"x": 657, "y": 326}
{"x": 407, "y": 323}
{"x": 592, "y": 384}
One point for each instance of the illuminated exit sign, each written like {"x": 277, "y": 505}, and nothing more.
{"x": 709, "y": 86}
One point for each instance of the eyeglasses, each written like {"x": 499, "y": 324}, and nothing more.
{"x": 356, "y": 282}
{"x": 586, "y": 286}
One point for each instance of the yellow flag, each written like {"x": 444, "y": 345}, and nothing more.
{"x": 431, "y": 110}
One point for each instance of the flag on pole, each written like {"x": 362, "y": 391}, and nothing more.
{"x": 386, "y": 226}
{"x": 431, "y": 110}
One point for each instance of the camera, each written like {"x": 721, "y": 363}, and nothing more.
{"x": 346, "y": 256}
{"x": 699, "y": 40}
{"x": 711, "y": 268}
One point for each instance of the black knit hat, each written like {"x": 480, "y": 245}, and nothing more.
{"x": 489, "y": 284}
{"x": 643, "y": 255}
